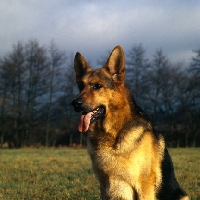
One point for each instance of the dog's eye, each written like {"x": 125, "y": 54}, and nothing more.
{"x": 97, "y": 86}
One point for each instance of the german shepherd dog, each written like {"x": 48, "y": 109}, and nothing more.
{"x": 129, "y": 158}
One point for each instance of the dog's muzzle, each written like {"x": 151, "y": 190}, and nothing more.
{"x": 77, "y": 104}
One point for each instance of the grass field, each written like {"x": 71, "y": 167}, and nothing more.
{"x": 30, "y": 174}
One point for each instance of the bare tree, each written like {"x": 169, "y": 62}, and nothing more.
{"x": 12, "y": 73}
{"x": 177, "y": 103}
{"x": 37, "y": 69}
{"x": 4, "y": 87}
{"x": 69, "y": 90}
{"x": 195, "y": 64}
{"x": 194, "y": 88}
{"x": 56, "y": 61}
{"x": 137, "y": 72}
{"x": 156, "y": 80}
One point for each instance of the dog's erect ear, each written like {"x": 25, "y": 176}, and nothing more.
{"x": 80, "y": 66}
{"x": 116, "y": 64}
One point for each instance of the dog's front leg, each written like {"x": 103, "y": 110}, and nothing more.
{"x": 117, "y": 190}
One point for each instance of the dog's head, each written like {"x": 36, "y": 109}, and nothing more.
{"x": 100, "y": 88}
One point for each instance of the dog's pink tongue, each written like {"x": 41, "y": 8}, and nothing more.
{"x": 84, "y": 122}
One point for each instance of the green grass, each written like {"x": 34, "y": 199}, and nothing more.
{"x": 30, "y": 174}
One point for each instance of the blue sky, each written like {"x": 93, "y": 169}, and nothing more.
{"x": 93, "y": 27}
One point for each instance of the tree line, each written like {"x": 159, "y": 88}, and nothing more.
{"x": 37, "y": 85}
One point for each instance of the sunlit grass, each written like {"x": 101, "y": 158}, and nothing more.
{"x": 46, "y": 174}
{"x": 187, "y": 170}
{"x": 66, "y": 174}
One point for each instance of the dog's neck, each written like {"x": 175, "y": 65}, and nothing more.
{"x": 117, "y": 116}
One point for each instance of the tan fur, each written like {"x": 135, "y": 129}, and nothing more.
{"x": 128, "y": 156}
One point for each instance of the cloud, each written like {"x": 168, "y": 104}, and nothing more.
{"x": 93, "y": 27}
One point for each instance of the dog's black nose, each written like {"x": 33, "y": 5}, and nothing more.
{"x": 77, "y": 104}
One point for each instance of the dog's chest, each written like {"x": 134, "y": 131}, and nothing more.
{"x": 107, "y": 161}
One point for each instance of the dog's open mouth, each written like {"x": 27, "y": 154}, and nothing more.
{"x": 96, "y": 114}
{"x": 88, "y": 118}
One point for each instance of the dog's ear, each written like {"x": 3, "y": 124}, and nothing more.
{"x": 81, "y": 67}
{"x": 116, "y": 64}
